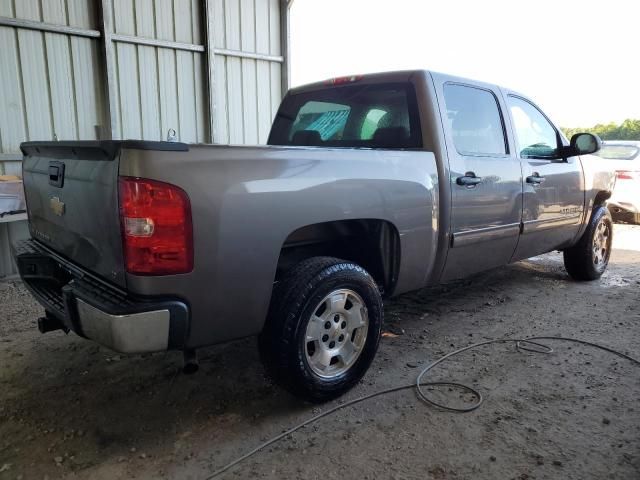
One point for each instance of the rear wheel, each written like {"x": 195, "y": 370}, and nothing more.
{"x": 588, "y": 259}
{"x": 323, "y": 328}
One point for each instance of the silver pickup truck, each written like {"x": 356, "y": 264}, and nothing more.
{"x": 370, "y": 186}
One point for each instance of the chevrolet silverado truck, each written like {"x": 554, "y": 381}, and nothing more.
{"x": 369, "y": 187}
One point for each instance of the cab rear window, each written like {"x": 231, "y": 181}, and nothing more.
{"x": 365, "y": 116}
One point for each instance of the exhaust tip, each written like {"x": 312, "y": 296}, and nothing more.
{"x": 191, "y": 364}
{"x": 49, "y": 324}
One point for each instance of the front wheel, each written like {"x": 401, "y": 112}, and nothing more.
{"x": 323, "y": 328}
{"x": 588, "y": 259}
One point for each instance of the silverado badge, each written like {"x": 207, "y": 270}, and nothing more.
{"x": 56, "y": 206}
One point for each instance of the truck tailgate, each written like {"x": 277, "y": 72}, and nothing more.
{"x": 71, "y": 191}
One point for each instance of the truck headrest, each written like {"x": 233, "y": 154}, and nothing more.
{"x": 391, "y": 137}
{"x": 306, "y": 137}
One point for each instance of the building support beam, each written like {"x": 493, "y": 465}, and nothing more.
{"x": 152, "y": 42}
{"x": 250, "y": 55}
{"x": 209, "y": 49}
{"x": 285, "y": 34}
{"x": 48, "y": 27}
{"x": 107, "y": 47}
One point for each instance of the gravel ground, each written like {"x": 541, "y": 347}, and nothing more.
{"x": 71, "y": 409}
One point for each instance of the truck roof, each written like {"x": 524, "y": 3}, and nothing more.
{"x": 382, "y": 77}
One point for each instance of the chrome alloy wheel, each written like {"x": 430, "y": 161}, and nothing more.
{"x": 601, "y": 244}
{"x": 336, "y": 333}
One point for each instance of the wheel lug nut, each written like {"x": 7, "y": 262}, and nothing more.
{"x": 336, "y": 318}
{"x": 341, "y": 338}
{"x": 327, "y": 325}
{"x": 325, "y": 337}
{"x": 343, "y": 325}
{"x": 332, "y": 344}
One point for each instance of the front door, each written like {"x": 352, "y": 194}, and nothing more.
{"x": 553, "y": 188}
{"x": 485, "y": 179}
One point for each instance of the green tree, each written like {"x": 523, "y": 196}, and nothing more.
{"x": 627, "y": 130}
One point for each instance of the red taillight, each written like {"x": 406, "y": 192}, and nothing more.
{"x": 626, "y": 175}
{"x": 157, "y": 233}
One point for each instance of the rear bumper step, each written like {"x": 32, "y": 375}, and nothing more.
{"x": 97, "y": 310}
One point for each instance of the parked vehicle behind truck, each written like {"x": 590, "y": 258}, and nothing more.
{"x": 371, "y": 186}
{"x": 624, "y": 158}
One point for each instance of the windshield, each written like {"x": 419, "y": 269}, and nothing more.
{"x": 368, "y": 116}
{"x": 618, "y": 152}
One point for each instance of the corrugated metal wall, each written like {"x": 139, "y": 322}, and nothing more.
{"x": 159, "y": 88}
{"x": 53, "y": 83}
{"x": 212, "y": 70}
{"x": 50, "y": 83}
{"x": 250, "y": 88}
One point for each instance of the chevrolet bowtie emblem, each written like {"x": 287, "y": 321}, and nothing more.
{"x": 57, "y": 207}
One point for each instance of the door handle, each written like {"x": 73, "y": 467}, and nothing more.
{"x": 535, "y": 179}
{"x": 469, "y": 180}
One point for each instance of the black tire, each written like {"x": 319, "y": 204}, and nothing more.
{"x": 283, "y": 343}
{"x": 581, "y": 261}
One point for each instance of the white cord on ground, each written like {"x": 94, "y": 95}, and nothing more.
{"x": 529, "y": 344}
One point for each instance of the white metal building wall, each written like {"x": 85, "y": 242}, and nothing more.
{"x": 247, "y": 88}
{"x": 212, "y": 70}
{"x": 50, "y": 83}
{"x": 159, "y": 87}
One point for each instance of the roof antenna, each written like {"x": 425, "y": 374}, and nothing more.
{"x": 171, "y": 135}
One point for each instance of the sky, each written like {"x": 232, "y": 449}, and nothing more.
{"x": 578, "y": 60}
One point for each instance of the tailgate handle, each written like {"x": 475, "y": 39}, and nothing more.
{"x": 56, "y": 174}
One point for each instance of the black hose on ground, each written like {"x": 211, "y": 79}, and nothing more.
{"x": 530, "y": 344}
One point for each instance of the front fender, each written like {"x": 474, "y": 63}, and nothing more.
{"x": 599, "y": 181}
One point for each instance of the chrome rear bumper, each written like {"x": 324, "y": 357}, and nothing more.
{"x": 129, "y": 333}
{"x": 97, "y": 310}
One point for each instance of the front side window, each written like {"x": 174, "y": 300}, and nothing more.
{"x": 537, "y": 138}
{"x": 365, "y": 115}
{"x": 475, "y": 120}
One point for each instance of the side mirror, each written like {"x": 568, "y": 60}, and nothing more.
{"x": 584, "y": 144}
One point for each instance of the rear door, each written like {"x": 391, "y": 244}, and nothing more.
{"x": 553, "y": 202}
{"x": 485, "y": 178}
{"x": 71, "y": 191}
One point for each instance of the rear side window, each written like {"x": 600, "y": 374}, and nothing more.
{"x": 368, "y": 116}
{"x": 475, "y": 120}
